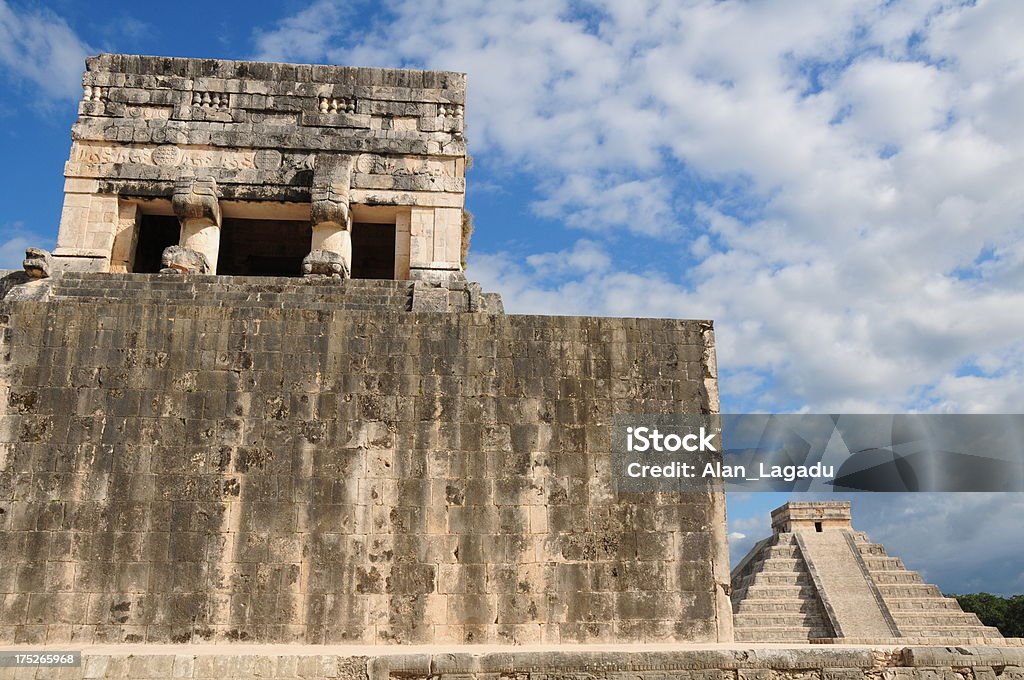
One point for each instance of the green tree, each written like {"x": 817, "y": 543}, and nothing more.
{"x": 1005, "y": 613}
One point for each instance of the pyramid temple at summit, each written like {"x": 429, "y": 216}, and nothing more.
{"x": 817, "y": 579}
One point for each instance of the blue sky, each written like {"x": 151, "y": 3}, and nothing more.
{"x": 838, "y": 185}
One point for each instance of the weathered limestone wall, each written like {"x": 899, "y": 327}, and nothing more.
{"x": 258, "y": 130}
{"x": 274, "y": 460}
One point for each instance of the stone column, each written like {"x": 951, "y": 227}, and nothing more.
{"x": 331, "y": 248}
{"x": 196, "y": 205}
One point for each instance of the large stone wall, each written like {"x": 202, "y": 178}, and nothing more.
{"x": 277, "y": 460}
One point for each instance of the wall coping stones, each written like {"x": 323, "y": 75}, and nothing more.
{"x": 414, "y": 296}
{"x": 751, "y": 663}
{"x": 454, "y": 83}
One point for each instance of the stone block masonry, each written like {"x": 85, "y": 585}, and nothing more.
{"x": 331, "y": 144}
{"x": 194, "y": 459}
{"x": 817, "y": 579}
{"x": 150, "y": 662}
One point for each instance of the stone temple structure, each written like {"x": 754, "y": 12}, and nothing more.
{"x": 251, "y": 397}
{"x": 254, "y": 421}
{"x": 265, "y": 169}
{"x": 816, "y": 578}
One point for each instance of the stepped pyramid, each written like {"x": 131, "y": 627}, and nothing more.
{"x": 818, "y": 580}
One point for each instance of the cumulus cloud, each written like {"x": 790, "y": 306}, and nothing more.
{"x": 962, "y": 543}
{"x": 836, "y": 184}
{"x": 306, "y": 36}
{"x": 745, "y": 532}
{"x": 14, "y": 239}
{"x": 857, "y": 225}
{"x": 38, "y": 47}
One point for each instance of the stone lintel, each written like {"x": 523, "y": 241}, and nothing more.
{"x": 71, "y": 259}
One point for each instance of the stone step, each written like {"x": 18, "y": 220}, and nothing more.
{"x": 950, "y": 631}
{"x": 777, "y": 592}
{"x": 793, "y": 606}
{"x": 872, "y": 549}
{"x": 227, "y": 295}
{"x": 221, "y": 288}
{"x": 782, "y": 564}
{"x": 104, "y": 278}
{"x": 752, "y": 566}
{"x": 901, "y": 604}
{"x": 783, "y": 552}
{"x": 172, "y": 285}
{"x": 224, "y": 298}
{"x": 783, "y": 634}
{"x": 778, "y": 620}
{"x": 908, "y": 590}
{"x": 781, "y": 578}
{"x": 875, "y": 563}
{"x": 763, "y": 578}
{"x": 893, "y": 577}
{"x": 267, "y": 301}
{"x": 926, "y": 618}
{"x": 785, "y": 540}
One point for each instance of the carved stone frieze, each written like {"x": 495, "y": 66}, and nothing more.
{"x": 325, "y": 264}
{"x": 336, "y": 105}
{"x": 166, "y": 155}
{"x": 332, "y": 181}
{"x": 211, "y": 100}
{"x": 37, "y": 263}
{"x": 196, "y": 199}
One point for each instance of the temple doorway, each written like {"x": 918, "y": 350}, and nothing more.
{"x": 263, "y": 247}
{"x": 373, "y": 251}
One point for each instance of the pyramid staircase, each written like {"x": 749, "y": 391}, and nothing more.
{"x": 817, "y": 580}
{"x": 773, "y": 596}
{"x": 919, "y": 609}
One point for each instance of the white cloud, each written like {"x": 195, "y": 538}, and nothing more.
{"x": 585, "y": 256}
{"x": 14, "y": 239}
{"x": 305, "y": 36}
{"x": 12, "y": 252}
{"x": 962, "y": 542}
{"x": 862, "y": 240}
{"x": 40, "y": 47}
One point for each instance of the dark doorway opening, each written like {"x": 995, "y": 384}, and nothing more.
{"x": 817, "y": 527}
{"x": 263, "y": 247}
{"x": 373, "y": 251}
{"x": 156, "y": 232}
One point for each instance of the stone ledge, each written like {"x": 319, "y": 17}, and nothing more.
{"x": 211, "y": 74}
{"x": 614, "y": 662}
{"x": 415, "y": 296}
